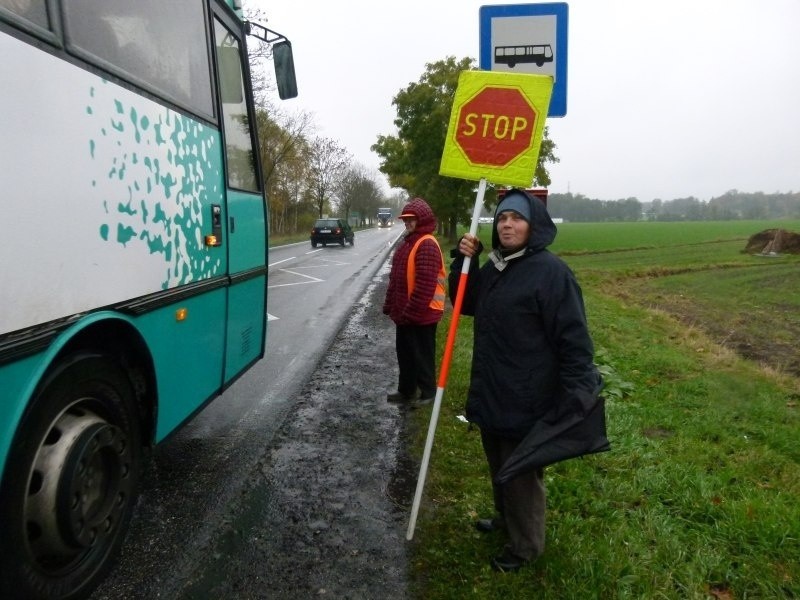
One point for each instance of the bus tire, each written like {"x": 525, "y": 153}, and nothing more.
{"x": 71, "y": 481}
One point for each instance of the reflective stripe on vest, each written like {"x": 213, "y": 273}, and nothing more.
{"x": 437, "y": 303}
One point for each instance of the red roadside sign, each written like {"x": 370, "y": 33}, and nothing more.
{"x": 495, "y": 126}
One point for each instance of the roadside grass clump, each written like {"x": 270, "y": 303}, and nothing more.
{"x": 614, "y": 387}
{"x": 698, "y": 497}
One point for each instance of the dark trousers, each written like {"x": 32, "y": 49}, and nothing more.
{"x": 520, "y": 502}
{"x": 416, "y": 358}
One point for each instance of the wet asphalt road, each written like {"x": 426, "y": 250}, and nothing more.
{"x": 325, "y": 513}
{"x": 321, "y": 512}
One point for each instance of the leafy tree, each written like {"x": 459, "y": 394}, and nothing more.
{"x": 282, "y": 151}
{"x": 411, "y": 158}
{"x": 281, "y": 138}
{"x": 288, "y": 193}
{"x": 547, "y": 154}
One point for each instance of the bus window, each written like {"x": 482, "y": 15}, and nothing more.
{"x": 161, "y": 44}
{"x": 237, "y": 127}
{"x": 34, "y": 11}
{"x": 230, "y": 75}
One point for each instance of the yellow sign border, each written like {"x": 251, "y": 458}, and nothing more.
{"x": 536, "y": 89}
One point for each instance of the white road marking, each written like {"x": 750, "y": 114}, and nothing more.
{"x": 282, "y": 261}
{"x": 312, "y": 279}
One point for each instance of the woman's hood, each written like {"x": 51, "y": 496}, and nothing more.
{"x": 426, "y": 221}
{"x": 543, "y": 230}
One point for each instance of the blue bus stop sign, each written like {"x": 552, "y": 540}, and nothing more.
{"x": 528, "y": 38}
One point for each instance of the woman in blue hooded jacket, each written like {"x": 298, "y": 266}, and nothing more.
{"x": 532, "y": 358}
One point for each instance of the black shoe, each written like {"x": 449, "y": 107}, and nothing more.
{"x": 398, "y": 398}
{"x": 507, "y": 562}
{"x": 489, "y": 525}
{"x": 420, "y": 402}
{"x": 485, "y": 526}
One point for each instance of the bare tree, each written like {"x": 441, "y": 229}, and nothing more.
{"x": 397, "y": 199}
{"x": 328, "y": 161}
{"x": 283, "y": 154}
{"x": 281, "y": 138}
{"x": 358, "y": 191}
{"x": 283, "y": 146}
{"x": 259, "y": 54}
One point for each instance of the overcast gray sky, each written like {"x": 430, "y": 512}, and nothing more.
{"x": 665, "y": 99}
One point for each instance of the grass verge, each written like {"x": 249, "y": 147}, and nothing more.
{"x": 698, "y": 497}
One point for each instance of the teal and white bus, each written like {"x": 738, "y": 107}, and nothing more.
{"x": 133, "y": 273}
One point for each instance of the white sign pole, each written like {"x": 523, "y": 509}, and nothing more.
{"x": 448, "y": 351}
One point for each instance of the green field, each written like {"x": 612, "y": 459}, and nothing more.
{"x": 700, "y": 495}
{"x": 600, "y": 237}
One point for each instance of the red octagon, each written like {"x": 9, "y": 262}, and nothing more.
{"x": 495, "y": 126}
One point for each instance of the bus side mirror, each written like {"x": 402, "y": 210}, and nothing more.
{"x": 284, "y": 70}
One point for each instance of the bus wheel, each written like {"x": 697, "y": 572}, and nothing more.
{"x": 71, "y": 481}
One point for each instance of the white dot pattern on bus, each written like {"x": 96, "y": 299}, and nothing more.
{"x": 155, "y": 192}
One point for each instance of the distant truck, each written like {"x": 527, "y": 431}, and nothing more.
{"x": 385, "y": 218}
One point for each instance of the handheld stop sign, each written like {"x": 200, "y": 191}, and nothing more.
{"x": 496, "y": 127}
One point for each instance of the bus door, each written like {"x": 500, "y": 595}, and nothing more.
{"x": 242, "y": 223}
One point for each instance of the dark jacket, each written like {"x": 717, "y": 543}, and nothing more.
{"x": 415, "y": 310}
{"x": 532, "y": 356}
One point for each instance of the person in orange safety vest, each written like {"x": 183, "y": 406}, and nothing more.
{"x": 415, "y": 302}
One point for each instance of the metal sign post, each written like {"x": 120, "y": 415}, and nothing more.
{"x": 445, "y": 368}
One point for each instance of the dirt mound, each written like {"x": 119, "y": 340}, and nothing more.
{"x": 774, "y": 241}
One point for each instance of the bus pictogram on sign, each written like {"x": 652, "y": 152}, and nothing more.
{"x": 519, "y": 55}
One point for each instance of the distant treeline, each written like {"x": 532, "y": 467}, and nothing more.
{"x": 733, "y": 205}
